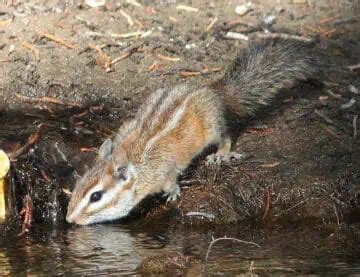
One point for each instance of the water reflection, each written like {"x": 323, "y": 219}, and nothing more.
{"x": 119, "y": 249}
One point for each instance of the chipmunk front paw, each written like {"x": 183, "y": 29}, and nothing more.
{"x": 217, "y": 159}
{"x": 173, "y": 194}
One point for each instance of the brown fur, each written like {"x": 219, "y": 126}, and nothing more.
{"x": 175, "y": 125}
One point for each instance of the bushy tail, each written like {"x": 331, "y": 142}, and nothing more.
{"x": 259, "y": 73}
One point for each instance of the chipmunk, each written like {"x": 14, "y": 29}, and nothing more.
{"x": 175, "y": 125}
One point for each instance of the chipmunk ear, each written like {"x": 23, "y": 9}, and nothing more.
{"x": 119, "y": 156}
{"x": 120, "y": 161}
{"x": 105, "y": 150}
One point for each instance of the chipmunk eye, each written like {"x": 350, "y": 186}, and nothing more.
{"x": 96, "y": 196}
{"x": 120, "y": 172}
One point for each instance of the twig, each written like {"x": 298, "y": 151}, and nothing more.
{"x": 284, "y": 212}
{"x": 155, "y": 67}
{"x": 211, "y": 24}
{"x": 127, "y": 17}
{"x": 86, "y": 149}
{"x": 283, "y": 36}
{"x": 27, "y": 211}
{"x": 33, "y": 48}
{"x": 267, "y": 201}
{"x": 56, "y": 39}
{"x": 185, "y": 73}
{"x": 129, "y": 35}
{"x": 355, "y": 67}
{"x": 323, "y": 116}
{"x": 34, "y": 138}
{"x": 354, "y": 123}
{"x": 328, "y": 19}
{"x": 270, "y": 165}
{"x": 348, "y": 105}
{"x": 167, "y": 58}
{"x": 187, "y": 8}
{"x": 46, "y": 99}
{"x": 225, "y": 238}
{"x": 235, "y": 35}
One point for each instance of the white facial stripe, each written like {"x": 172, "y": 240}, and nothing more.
{"x": 84, "y": 202}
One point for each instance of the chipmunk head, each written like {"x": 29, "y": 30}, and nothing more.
{"x": 106, "y": 191}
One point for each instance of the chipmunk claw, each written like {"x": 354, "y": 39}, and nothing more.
{"x": 173, "y": 195}
{"x": 218, "y": 159}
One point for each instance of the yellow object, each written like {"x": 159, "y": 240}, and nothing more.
{"x": 4, "y": 169}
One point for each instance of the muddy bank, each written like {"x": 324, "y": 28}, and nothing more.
{"x": 303, "y": 155}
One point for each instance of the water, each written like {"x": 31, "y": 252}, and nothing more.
{"x": 120, "y": 249}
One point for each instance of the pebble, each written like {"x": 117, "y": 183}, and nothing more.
{"x": 353, "y": 89}
{"x": 243, "y": 9}
{"x": 95, "y": 3}
{"x": 190, "y": 46}
{"x": 269, "y": 20}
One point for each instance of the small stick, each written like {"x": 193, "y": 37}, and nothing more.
{"x": 270, "y": 165}
{"x": 189, "y": 73}
{"x": 46, "y": 99}
{"x": 211, "y": 24}
{"x": 355, "y": 67}
{"x": 185, "y": 73}
{"x": 56, "y": 39}
{"x": 34, "y": 138}
{"x": 33, "y": 48}
{"x": 330, "y": 32}
{"x": 323, "y": 116}
{"x": 225, "y": 238}
{"x": 128, "y": 35}
{"x": 293, "y": 207}
{"x": 283, "y": 36}
{"x": 267, "y": 201}
{"x": 187, "y": 8}
{"x": 86, "y": 149}
{"x": 155, "y": 67}
{"x": 27, "y": 211}
{"x": 124, "y": 56}
{"x": 328, "y": 19}
{"x": 167, "y": 58}
{"x": 354, "y": 123}
{"x": 127, "y": 17}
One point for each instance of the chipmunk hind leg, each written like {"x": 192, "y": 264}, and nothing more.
{"x": 224, "y": 153}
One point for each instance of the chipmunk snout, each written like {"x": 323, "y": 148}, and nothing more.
{"x": 69, "y": 218}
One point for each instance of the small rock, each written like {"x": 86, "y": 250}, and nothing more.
{"x": 190, "y": 46}
{"x": 269, "y": 20}
{"x": 353, "y": 89}
{"x": 243, "y": 9}
{"x": 11, "y": 49}
{"x": 95, "y": 3}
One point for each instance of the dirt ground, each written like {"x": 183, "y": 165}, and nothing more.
{"x": 60, "y": 59}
